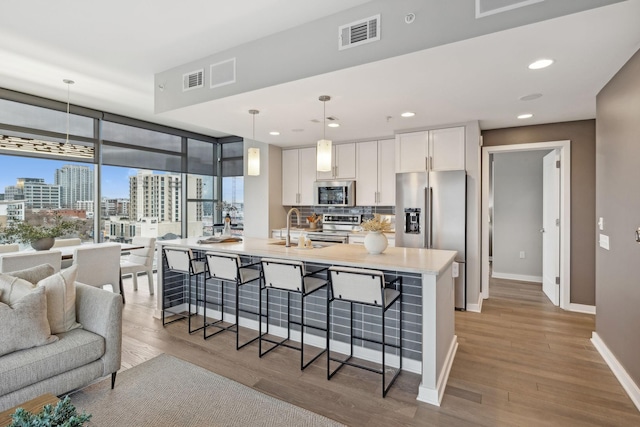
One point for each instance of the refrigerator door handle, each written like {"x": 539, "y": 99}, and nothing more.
{"x": 430, "y": 198}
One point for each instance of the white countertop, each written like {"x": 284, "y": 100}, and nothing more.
{"x": 424, "y": 261}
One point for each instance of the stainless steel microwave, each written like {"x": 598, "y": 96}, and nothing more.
{"x": 334, "y": 193}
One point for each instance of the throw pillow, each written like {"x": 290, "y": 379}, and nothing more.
{"x": 34, "y": 274}
{"x": 24, "y": 323}
{"x": 61, "y": 300}
{"x": 13, "y": 288}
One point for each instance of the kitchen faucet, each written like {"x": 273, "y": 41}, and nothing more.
{"x": 288, "y": 238}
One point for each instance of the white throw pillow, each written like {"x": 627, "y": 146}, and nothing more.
{"x": 24, "y": 323}
{"x": 13, "y": 288}
{"x": 61, "y": 300}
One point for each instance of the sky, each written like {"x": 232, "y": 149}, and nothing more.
{"x": 115, "y": 180}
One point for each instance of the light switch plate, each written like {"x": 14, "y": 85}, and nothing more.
{"x": 604, "y": 241}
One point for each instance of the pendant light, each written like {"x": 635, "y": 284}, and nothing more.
{"x": 253, "y": 154}
{"x": 323, "y": 156}
{"x": 69, "y": 83}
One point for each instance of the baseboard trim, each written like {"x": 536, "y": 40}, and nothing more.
{"x": 582, "y": 308}
{"x": 434, "y": 396}
{"x": 618, "y": 370}
{"x": 476, "y": 308}
{"x": 519, "y": 277}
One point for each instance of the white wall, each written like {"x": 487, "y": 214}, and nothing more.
{"x": 517, "y": 215}
{"x": 263, "y": 209}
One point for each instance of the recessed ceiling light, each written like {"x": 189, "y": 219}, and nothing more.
{"x": 334, "y": 125}
{"x": 540, "y": 63}
{"x": 274, "y": 133}
{"x": 408, "y": 114}
{"x": 525, "y": 116}
{"x": 530, "y": 97}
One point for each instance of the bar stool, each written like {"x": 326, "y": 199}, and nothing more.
{"x": 366, "y": 288}
{"x": 290, "y": 277}
{"x": 228, "y": 269}
{"x": 181, "y": 260}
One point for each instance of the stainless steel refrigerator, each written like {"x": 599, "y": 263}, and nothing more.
{"x": 431, "y": 213}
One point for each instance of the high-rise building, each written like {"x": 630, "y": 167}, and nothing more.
{"x": 35, "y": 193}
{"x": 76, "y": 184}
{"x": 155, "y": 196}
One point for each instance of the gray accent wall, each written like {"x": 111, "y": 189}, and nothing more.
{"x": 618, "y": 203}
{"x": 582, "y": 135}
{"x": 312, "y": 49}
{"x": 517, "y": 214}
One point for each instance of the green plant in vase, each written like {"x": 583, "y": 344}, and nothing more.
{"x": 63, "y": 414}
{"x": 40, "y": 236}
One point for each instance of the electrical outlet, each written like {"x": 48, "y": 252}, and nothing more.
{"x": 521, "y": 254}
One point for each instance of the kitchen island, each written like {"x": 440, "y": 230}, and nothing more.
{"x": 429, "y": 342}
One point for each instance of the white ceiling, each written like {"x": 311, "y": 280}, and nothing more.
{"x": 113, "y": 49}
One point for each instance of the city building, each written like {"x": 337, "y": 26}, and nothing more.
{"x": 76, "y": 184}
{"x": 35, "y": 192}
{"x": 11, "y": 211}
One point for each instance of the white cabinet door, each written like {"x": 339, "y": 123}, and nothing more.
{"x": 290, "y": 177}
{"x": 356, "y": 240}
{"x": 306, "y": 175}
{"x": 367, "y": 173}
{"x": 412, "y": 151}
{"x": 386, "y": 173}
{"x": 447, "y": 149}
{"x": 343, "y": 161}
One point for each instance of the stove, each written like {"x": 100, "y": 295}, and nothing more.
{"x": 336, "y": 228}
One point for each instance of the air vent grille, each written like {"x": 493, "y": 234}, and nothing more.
{"x": 359, "y": 32}
{"x": 193, "y": 80}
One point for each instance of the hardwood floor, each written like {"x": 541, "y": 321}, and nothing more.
{"x": 520, "y": 362}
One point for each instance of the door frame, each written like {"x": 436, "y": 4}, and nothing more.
{"x": 564, "y": 150}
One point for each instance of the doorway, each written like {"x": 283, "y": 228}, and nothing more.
{"x": 558, "y": 287}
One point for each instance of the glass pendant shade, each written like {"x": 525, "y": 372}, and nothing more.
{"x": 253, "y": 162}
{"x": 324, "y": 155}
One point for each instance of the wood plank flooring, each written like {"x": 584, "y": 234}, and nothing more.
{"x": 521, "y": 362}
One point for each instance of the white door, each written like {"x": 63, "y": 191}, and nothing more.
{"x": 550, "y": 227}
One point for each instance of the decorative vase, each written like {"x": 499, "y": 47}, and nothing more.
{"x": 43, "y": 244}
{"x": 375, "y": 242}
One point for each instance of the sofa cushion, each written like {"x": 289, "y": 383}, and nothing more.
{"x": 24, "y": 323}
{"x": 34, "y": 274}
{"x": 13, "y": 288}
{"x": 61, "y": 300}
{"x": 73, "y": 349}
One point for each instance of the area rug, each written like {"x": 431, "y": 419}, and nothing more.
{"x": 166, "y": 391}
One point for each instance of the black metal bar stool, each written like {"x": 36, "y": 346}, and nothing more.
{"x": 366, "y": 288}
{"x": 181, "y": 260}
{"x": 290, "y": 277}
{"x": 228, "y": 269}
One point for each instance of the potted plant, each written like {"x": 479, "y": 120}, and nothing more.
{"x": 63, "y": 414}
{"x": 41, "y": 237}
{"x": 375, "y": 241}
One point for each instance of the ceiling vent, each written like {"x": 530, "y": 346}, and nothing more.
{"x": 193, "y": 80}
{"x": 223, "y": 73}
{"x": 359, "y": 32}
{"x": 491, "y": 7}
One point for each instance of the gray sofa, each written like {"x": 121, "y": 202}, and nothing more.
{"x": 79, "y": 357}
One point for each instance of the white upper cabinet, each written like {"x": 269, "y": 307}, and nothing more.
{"x": 435, "y": 150}
{"x": 343, "y": 161}
{"x": 446, "y": 148}
{"x": 298, "y": 176}
{"x": 376, "y": 175}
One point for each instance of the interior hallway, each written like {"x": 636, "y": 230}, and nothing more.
{"x": 521, "y": 362}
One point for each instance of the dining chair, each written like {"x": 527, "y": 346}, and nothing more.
{"x": 140, "y": 261}
{"x": 99, "y": 266}
{"x": 60, "y": 243}
{"x": 10, "y": 247}
{"x": 23, "y": 260}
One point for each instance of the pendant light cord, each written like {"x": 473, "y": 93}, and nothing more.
{"x": 69, "y": 83}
